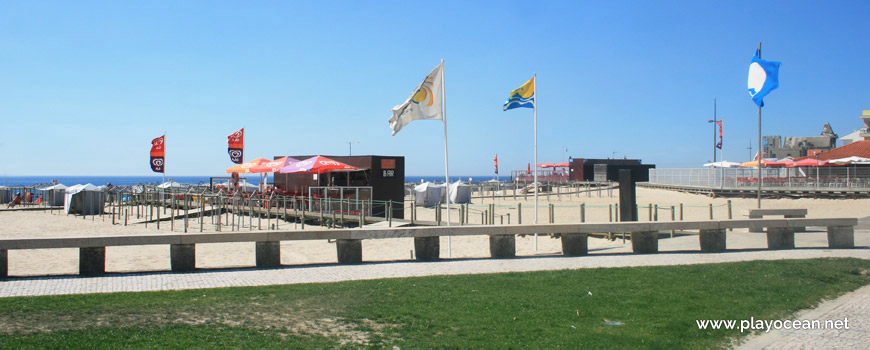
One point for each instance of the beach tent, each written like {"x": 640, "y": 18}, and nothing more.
{"x": 84, "y": 199}
{"x": 166, "y": 185}
{"x": 6, "y": 194}
{"x": 428, "y": 194}
{"x": 459, "y": 193}
{"x": 54, "y": 195}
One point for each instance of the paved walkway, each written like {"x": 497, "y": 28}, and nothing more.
{"x": 854, "y": 306}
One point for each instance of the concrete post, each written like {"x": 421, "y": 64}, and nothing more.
{"x": 4, "y": 264}
{"x": 349, "y": 251}
{"x": 575, "y": 244}
{"x": 713, "y": 240}
{"x": 268, "y": 254}
{"x": 427, "y": 248}
{"x": 780, "y": 238}
{"x": 838, "y": 237}
{"x": 92, "y": 260}
{"x": 645, "y": 242}
{"x": 502, "y": 246}
{"x": 182, "y": 257}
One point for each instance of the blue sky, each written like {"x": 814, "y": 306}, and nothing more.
{"x": 85, "y": 86}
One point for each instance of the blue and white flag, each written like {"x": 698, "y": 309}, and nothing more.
{"x": 763, "y": 78}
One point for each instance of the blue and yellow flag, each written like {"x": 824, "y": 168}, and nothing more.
{"x": 522, "y": 97}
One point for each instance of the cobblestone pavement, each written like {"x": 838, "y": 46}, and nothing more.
{"x": 854, "y": 306}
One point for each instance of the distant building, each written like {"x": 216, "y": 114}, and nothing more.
{"x": 862, "y": 134}
{"x": 797, "y": 147}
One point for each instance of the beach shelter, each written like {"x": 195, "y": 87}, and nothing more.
{"x": 427, "y": 194}
{"x": 170, "y": 184}
{"x": 245, "y": 167}
{"x": 6, "y": 194}
{"x": 54, "y": 195}
{"x": 459, "y": 193}
{"x": 84, "y": 199}
{"x": 316, "y": 165}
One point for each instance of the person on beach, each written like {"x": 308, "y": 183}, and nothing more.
{"x": 15, "y": 201}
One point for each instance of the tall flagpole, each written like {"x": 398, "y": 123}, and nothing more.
{"x": 760, "y": 150}
{"x": 537, "y": 185}
{"x": 164, "y": 156}
{"x": 446, "y": 168}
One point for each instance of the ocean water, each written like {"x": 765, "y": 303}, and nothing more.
{"x": 134, "y": 180}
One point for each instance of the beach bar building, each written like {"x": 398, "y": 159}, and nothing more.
{"x": 379, "y": 179}
{"x": 581, "y": 169}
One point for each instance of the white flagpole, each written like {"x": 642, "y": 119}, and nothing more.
{"x": 164, "y": 156}
{"x": 537, "y": 186}
{"x": 446, "y": 168}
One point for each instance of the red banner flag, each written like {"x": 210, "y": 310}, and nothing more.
{"x": 158, "y": 154}
{"x": 719, "y": 145}
{"x": 496, "y": 163}
{"x": 236, "y": 147}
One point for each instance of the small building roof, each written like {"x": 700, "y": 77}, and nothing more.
{"x": 858, "y": 149}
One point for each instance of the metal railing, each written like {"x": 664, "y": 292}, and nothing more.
{"x": 797, "y": 177}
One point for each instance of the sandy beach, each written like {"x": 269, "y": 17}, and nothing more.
{"x": 16, "y": 224}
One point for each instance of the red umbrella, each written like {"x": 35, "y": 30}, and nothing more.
{"x": 808, "y": 162}
{"x": 246, "y": 166}
{"x": 546, "y": 165}
{"x": 273, "y": 166}
{"x": 317, "y": 165}
{"x": 563, "y": 165}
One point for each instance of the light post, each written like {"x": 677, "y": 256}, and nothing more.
{"x": 350, "y": 147}
{"x": 714, "y": 137}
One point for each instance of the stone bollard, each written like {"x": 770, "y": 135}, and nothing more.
{"x": 713, "y": 240}
{"x": 4, "y": 264}
{"x": 427, "y": 248}
{"x": 645, "y": 242}
{"x": 182, "y": 257}
{"x": 268, "y": 254}
{"x": 838, "y": 237}
{"x": 502, "y": 246}
{"x": 780, "y": 238}
{"x": 575, "y": 244}
{"x": 349, "y": 251}
{"x": 92, "y": 260}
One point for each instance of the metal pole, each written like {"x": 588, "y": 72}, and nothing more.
{"x": 760, "y": 150}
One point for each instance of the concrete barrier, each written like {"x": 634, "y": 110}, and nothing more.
{"x": 503, "y": 246}
{"x": 502, "y": 238}
{"x": 780, "y": 238}
{"x": 427, "y": 248}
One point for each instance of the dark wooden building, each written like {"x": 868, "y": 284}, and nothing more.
{"x": 385, "y": 174}
{"x": 608, "y": 169}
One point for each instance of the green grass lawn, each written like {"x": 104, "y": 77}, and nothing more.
{"x": 654, "y": 307}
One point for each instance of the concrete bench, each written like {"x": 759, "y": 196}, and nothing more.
{"x": 502, "y": 239}
{"x": 786, "y": 213}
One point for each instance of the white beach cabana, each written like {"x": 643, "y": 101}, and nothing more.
{"x": 84, "y": 199}
{"x": 459, "y": 193}
{"x": 428, "y": 194}
{"x": 54, "y": 194}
